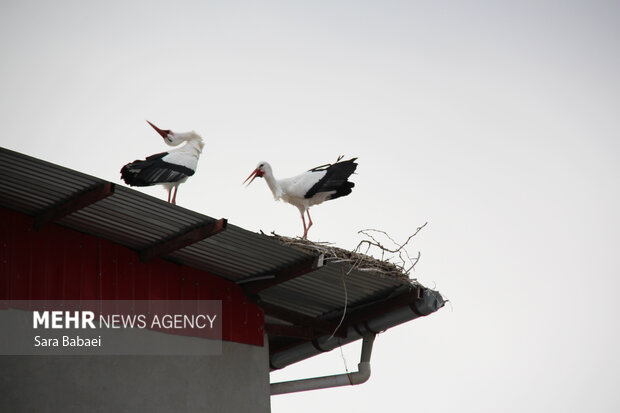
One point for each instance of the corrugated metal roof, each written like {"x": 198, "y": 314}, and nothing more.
{"x": 30, "y": 185}
{"x": 138, "y": 221}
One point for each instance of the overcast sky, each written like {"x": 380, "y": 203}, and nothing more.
{"x": 496, "y": 122}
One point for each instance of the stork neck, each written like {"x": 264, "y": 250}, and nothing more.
{"x": 193, "y": 145}
{"x": 273, "y": 184}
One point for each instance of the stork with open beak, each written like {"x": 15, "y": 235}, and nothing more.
{"x": 310, "y": 188}
{"x": 169, "y": 169}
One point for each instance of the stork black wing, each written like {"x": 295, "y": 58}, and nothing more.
{"x": 153, "y": 170}
{"x": 335, "y": 179}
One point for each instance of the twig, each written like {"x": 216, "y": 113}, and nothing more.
{"x": 379, "y": 245}
{"x": 346, "y": 301}
{"x": 399, "y": 249}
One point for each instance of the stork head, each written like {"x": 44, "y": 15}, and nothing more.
{"x": 261, "y": 169}
{"x": 170, "y": 137}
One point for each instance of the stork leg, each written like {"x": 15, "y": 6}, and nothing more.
{"x": 174, "y": 197}
{"x": 303, "y": 219}
{"x": 305, "y": 229}
{"x": 169, "y": 191}
{"x": 309, "y": 219}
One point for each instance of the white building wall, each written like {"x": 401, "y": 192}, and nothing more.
{"x": 235, "y": 381}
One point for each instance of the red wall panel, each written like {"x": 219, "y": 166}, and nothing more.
{"x": 57, "y": 263}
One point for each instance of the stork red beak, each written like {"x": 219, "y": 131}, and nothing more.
{"x": 254, "y": 174}
{"x": 163, "y": 133}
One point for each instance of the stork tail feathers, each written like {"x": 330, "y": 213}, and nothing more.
{"x": 335, "y": 179}
{"x": 153, "y": 170}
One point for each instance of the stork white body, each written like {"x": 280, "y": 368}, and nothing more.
{"x": 309, "y": 188}
{"x": 169, "y": 169}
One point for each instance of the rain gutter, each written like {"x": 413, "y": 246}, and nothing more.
{"x": 429, "y": 302}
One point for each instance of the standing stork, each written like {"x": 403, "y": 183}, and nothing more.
{"x": 169, "y": 169}
{"x": 309, "y": 188}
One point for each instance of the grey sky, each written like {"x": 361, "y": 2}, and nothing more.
{"x": 494, "y": 121}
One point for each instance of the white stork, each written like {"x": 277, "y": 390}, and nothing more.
{"x": 309, "y": 188}
{"x": 169, "y": 169}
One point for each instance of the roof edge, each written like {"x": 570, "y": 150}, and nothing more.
{"x": 429, "y": 302}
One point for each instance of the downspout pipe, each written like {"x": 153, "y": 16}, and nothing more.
{"x": 325, "y": 382}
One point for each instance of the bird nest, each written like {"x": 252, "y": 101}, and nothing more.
{"x": 395, "y": 262}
